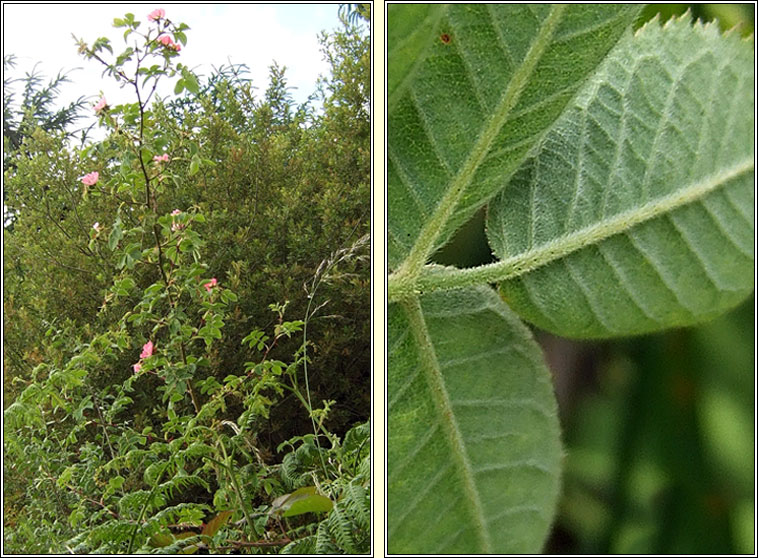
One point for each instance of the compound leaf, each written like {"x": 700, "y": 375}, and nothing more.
{"x": 473, "y": 87}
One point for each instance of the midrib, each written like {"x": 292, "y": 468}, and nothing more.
{"x": 543, "y": 254}
{"x": 433, "y": 373}
{"x": 424, "y": 245}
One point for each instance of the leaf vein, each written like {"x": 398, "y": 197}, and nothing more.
{"x": 705, "y": 265}
{"x": 656, "y": 266}
{"x": 398, "y": 467}
{"x": 428, "y": 131}
{"x": 623, "y": 281}
{"x": 525, "y": 262}
{"x": 587, "y": 293}
{"x": 436, "y": 383}
{"x": 431, "y": 230}
{"x": 406, "y": 181}
{"x": 580, "y": 171}
{"x": 397, "y": 94}
{"x": 413, "y": 504}
{"x": 524, "y": 464}
{"x": 725, "y": 231}
{"x": 469, "y": 73}
{"x": 500, "y": 39}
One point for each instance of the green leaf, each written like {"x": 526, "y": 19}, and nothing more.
{"x": 116, "y": 235}
{"x": 194, "y": 165}
{"x": 102, "y": 43}
{"x": 313, "y": 503}
{"x": 153, "y": 472}
{"x": 410, "y": 32}
{"x": 131, "y": 254}
{"x": 189, "y": 549}
{"x": 473, "y": 448}
{"x": 124, "y": 56}
{"x": 228, "y": 296}
{"x": 470, "y": 109}
{"x": 65, "y": 476}
{"x": 181, "y": 37}
{"x": 302, "y": 500}
{"x": 179, "y": 87}
{"x": 116, "y": 482}
{"x": 85, "y": 404}
{"x": 76, "y": 516}
{"x": 636, "y": 213}
{"x": 122, "y": 286}
{"x": 190, "y": 81}
{"x": 191, "y": 84}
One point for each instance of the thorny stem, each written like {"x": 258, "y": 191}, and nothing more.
{"x": 151, "y": 202}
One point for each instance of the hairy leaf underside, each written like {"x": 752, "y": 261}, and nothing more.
{"x": 474, "y": 456}
{"x": 641, "y": 196}
{"x": 464, "y": 115}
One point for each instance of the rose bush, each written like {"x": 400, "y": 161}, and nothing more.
{"x": 178, "y": 450}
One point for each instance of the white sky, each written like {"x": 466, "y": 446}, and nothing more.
{"x": 253, "y": 34}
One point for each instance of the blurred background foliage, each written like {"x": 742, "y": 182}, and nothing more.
{"x": 659, "y": 430}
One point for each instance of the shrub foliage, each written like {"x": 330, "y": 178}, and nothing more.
{"x": 187, "y": 311}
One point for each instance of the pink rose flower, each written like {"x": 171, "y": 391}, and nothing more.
{"x": 165, "y": 40}
{"x": 177, "y": 47}
{"x": 210, "y": 284}
{"x": 161, "y": 158}
{"x": 157, "y": 14}
{"x": 101, "y": 104}
{"x": 176, "y": 212}
{"x": 147, "y": 350}
{"x": 137, "y": 367}
{"x": 90, "y": 179}
{"x": 96, "y": 226}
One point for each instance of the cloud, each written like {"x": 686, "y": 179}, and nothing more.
{"x": 252, "y": 34}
